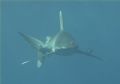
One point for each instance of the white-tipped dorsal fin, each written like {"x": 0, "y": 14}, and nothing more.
{"x": 61, "y": 21}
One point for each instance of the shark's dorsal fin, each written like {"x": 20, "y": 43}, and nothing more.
{"x": 61, "y": 21}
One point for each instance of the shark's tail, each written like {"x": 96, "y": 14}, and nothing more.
{"x": 40, "y": 59}
{"x": 90, "y": 54}
{"x": 38, "y": 45}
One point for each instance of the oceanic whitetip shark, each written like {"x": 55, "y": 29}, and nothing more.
{"x": 62, "y": 44}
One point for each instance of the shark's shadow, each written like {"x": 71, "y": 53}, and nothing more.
{"x": 62, "y": 44}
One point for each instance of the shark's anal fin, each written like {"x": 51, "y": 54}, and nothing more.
{"x": 61, "y": 20}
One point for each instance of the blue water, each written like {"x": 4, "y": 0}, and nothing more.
{"x": 94, "y": 26}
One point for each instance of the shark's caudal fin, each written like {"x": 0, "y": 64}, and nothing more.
{"x": 33, "y": 41}
{"x": 40, "y": 59}
{"x": 61, "y": 21}
{"x": 90, "y": 54}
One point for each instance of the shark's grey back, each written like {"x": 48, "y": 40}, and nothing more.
{"x": 64, "y": 40}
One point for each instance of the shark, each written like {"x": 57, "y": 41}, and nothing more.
{"x": 62, "y": 44}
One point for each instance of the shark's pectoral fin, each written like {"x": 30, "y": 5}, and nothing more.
{"x": 90, "y": 54}
{"x": 33, "y": 41}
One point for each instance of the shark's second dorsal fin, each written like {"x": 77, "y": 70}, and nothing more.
{"x": 61, "y": 21}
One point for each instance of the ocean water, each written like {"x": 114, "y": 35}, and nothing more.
{"x": 94, "y": 25}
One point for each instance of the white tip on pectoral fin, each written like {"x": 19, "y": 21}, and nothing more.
{"x": 61, "y": 20}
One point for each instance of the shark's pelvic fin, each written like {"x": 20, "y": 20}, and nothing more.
{"x": 61, "y": 21}
{"x": 33, "y": 41}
